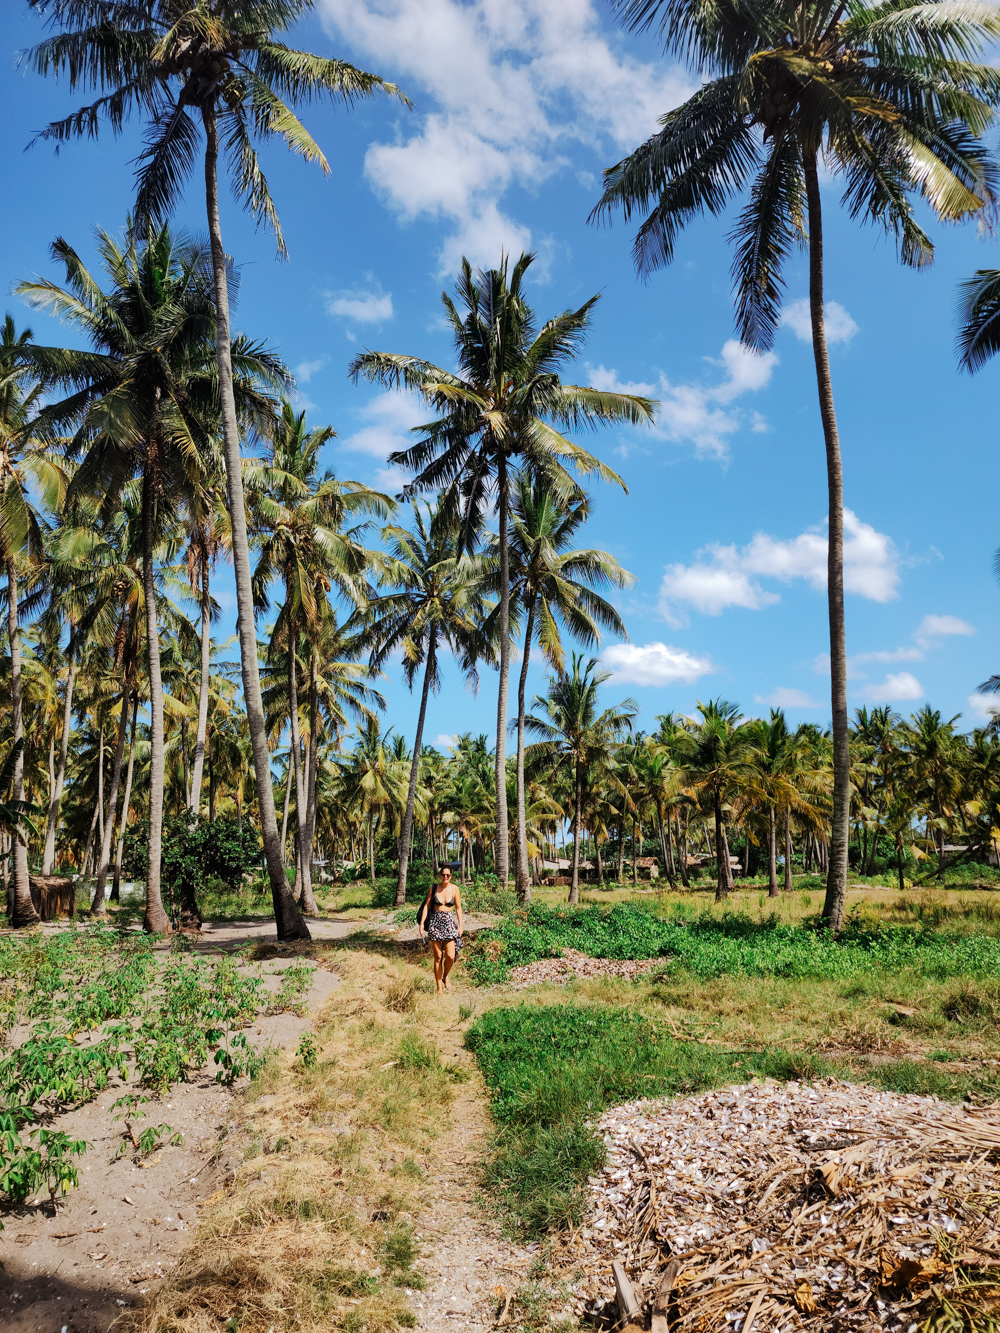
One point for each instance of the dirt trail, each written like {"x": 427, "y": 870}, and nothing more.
{"x": 113, "y": 1238}
{"x": 464, "y": 1256}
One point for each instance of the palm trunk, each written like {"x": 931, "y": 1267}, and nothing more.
{"x": 126, "y": 799}
{"x": 287, "y": 917}
{"x": 23, "y": 913}
{"x": 88, "y": 850}
{"x": 836, "y": 880}
{"x": 206, "y": 655}
{"x": 155, "y": 919}
{"x": 100, "y": 783}
{"x": 55, "y": 801}
{"x": 722, "y": 878}
{"x": 621, "y": 851}
{"x": 788, "y": 850}
{"x": 635, "y": 852}
{"x": 726, "y": 860}
{"x": 97, "y": 906}
{"x": 502, "y": 865}
{"x": 772, "y": 855}
{"x": 430, "y": 670}
{"x": 311, "y": 766}
{"x": 306, "y": 901}
{"x": 371, "y": 848}
{"x": 574, "y": 891}
{"x": 284, "y": 812}
{"x": 682, "y": 863}
{"x": 523, "y": 881}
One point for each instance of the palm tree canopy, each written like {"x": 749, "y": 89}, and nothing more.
{"x": 167, "y": 58}
{"x": 889, "y": 94}
{"x": 506, "y": 400}
{"x": 152, "y": 375}
{"x": 557, "y": 581}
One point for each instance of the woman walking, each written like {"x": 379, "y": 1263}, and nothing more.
{"x": 442, "y": 919}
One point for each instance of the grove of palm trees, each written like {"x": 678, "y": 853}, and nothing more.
{"x": 764, "y": 946}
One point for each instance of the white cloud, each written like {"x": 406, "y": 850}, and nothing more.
{"x": 729, "y": 575}
{"x": 984, "y": 706}
{"x": 509, "y": 87}
{"x": 364, "y": 307}
{"x": 305, "y": 370}
{"x": 445, "y": 741}
{"x": 785, "y": 697}
{"x": 897, "y": 687}
{"x": 388, "y": 419}
{"x": 700, "y": 414}
{"x": 927, "y": 636}
{"x": 840, "y": 327}
{"x": 932, "y": 628}
{"x": 653, "y": 664}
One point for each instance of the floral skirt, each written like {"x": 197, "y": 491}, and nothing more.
{"x": 442, "y": 927}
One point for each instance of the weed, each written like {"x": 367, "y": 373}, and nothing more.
{"x": 307, "y": 1051}
{"x": 401, "y": 995}
{"x": 290, "y": 996}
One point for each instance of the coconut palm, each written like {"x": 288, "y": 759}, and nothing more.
{"x": 500, "y": 409}
{"x": 310, "y": 537}
{"x": 23, "y": 467}
{"x": 935, "y": 777}
{"x": 137, "y": 405}
{"x": 723, "y": 753}
{"x": 435, "y": 605}
{"x": 889, "y": 99}
{"x": 571, "y": 730}
{"x": 374, "y": 781}
{"x": 552, "y": 585}
{"x": 175, "y": 62}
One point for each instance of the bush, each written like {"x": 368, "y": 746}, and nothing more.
{"x": 197, "y": 850}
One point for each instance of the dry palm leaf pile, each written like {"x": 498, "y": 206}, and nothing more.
{"x": 574, "y": 963}
{"x": 796, "y": 1206}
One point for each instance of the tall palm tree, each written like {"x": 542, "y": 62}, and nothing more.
{"x": 144, "y": 398}
{"x": 374, "y": 781}
{"x": 307, "y": 540}
{"x": 551, "y": 584}
{"x": 175, "y": 62}
{"x": 572, "y": 730}
{"x": 722, "y": 757}
{"x": 936, "y": 772}
{"x": 502, "y": 407}
{"x": 886, "y": 97}
{"x": 22, "y": 463}
{"x": 435, "y": 604}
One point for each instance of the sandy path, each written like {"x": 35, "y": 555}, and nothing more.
{"x": 113, "y": 1237}
{"x": 463, "y": 1254}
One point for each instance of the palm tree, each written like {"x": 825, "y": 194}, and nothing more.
{"x": 502, "y": 407}
{"x": 374, "y": 781}
{"x": 173, "y": 61}
{"x": 22, "y": 463}
{"x": 572, "y": 731}
{"x": 550, "y": 584}
{"x": 305, "y": 540}
{"x": 146, "y": 397}
{"x": 936, "y": 776}
{"x": 722, "y": 756}
{"x": 15, "y": 823}
{"x": 886, "y": 97}
{"x": 436, "y": 605}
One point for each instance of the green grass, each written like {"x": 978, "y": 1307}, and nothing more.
{"x": 710, "y": 945}
{"x": 549, "y": 1069}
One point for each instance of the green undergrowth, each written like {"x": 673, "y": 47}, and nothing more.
{"x": 550, "y": 1069}
{"x": 710, "y": 945}
{"x": 103, "y": 1006}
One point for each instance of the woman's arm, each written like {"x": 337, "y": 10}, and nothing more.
{"x": 458, "y": 909}
{"x": 427, "y": 903}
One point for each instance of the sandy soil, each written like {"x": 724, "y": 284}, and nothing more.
{"x": 112, "y": 1239}
{"x": 469, "y": 1265}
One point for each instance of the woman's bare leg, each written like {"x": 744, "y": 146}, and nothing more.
{"x": 449, "y": 961}
{"x": 438, "y": 958}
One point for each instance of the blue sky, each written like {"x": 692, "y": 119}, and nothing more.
{"x": 517, "y": 108}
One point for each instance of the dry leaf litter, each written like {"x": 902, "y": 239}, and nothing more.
{"x": 573, "y": 963}
{"x": 795, "y": 1206}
